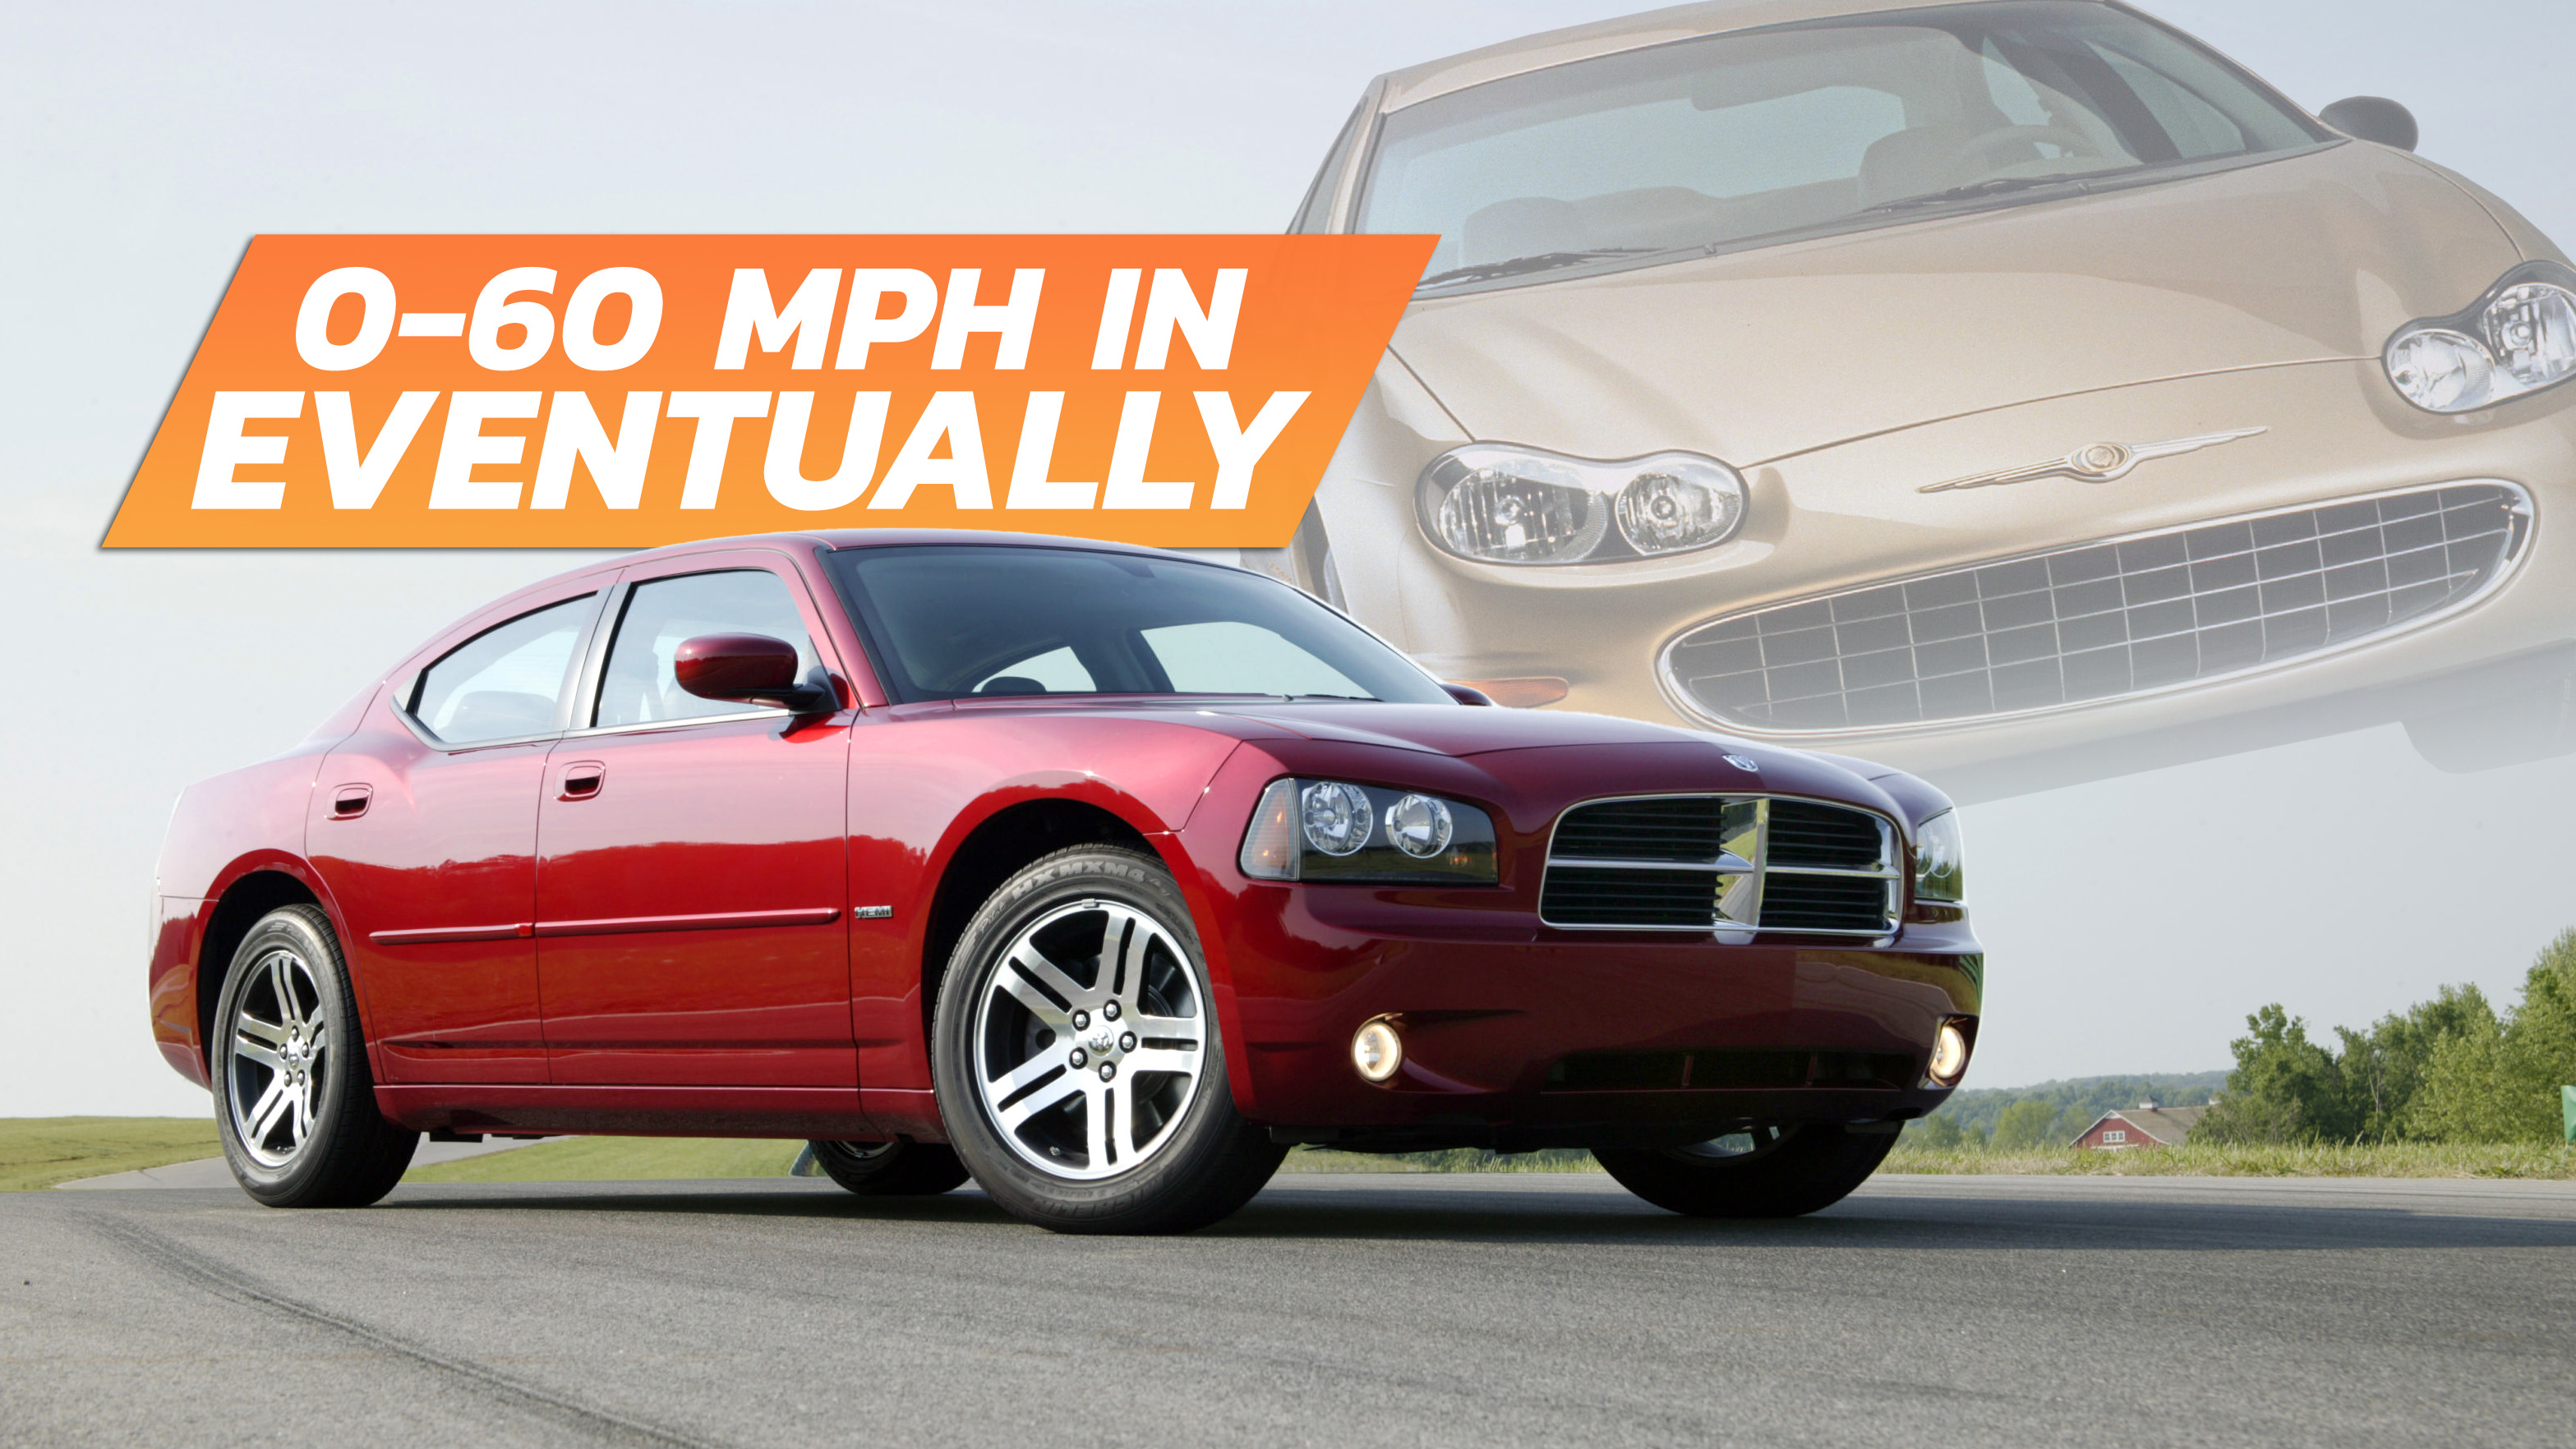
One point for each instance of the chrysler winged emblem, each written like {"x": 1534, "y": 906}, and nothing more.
{"x": 2093, "y": 463}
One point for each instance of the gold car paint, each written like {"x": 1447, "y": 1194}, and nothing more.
{"x": 1757, "y": 355}
{"x": 1841, "y": 374}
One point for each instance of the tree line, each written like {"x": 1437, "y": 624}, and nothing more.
{"x": 2452, "y": 1069}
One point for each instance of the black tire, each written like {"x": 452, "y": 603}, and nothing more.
{"x": 1206, "y": 1162}
{"x": 348, "y": 1155}
{"x": 1798, "y": 1171}
{"x": 890, "y": 1169}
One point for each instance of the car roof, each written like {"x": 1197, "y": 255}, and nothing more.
{"x": 1608, "y": 37}
{"x": 844, "y": 538}
{"x": 600, "y": 568}
{"x": 841, "y": 538}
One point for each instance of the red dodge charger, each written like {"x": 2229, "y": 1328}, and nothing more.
{"x": 1100, "y": 874}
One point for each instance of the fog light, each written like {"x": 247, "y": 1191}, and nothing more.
{"x": 1377, "y": 1051}
{"x": 1949, "y": 1054}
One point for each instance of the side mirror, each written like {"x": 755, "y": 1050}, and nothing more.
{"x": 747, "y": 669}
{"x": 2372, "y": 118}
{"x": 1467, "y": 693}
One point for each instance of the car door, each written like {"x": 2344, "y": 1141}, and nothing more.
{"x": 691, "y": 880}
{"x": 424, "y": 826}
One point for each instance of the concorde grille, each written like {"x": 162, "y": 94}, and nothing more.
{"x": 1735, "y": 863}
{"x": 2104, "y": 620}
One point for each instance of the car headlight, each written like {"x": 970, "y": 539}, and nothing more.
{"x": 2518, "y": 338}
{"x": 1332, "y": 830}
{"x": 1496, "y": 503}
{"x": 1939, "y": 874}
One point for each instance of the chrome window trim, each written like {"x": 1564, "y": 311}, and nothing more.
{"x": 1892, "y": 850}
{"x": 1679, "y": 698}
{"x": 596, "y": 731}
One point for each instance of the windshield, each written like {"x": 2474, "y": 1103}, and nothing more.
{"x": 1857, "y": 121}
{"x": 952, "y": 621}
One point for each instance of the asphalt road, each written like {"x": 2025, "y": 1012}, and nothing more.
{"x": 1334, "y": 1311}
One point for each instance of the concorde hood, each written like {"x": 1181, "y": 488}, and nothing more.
{"x": 1754, "y": 355}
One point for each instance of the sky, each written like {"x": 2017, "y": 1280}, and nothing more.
{"x": 2131, "y": 923}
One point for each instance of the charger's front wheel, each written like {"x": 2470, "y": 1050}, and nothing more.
{"x": 1077, "y": 1058}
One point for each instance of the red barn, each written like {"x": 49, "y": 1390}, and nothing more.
{"x": 2145, "y": 1125}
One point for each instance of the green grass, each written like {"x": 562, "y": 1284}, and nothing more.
{"x": 38, "y": 1152}
{"x": 621, "y": 1159}
{"x": 2393, "y": 1159}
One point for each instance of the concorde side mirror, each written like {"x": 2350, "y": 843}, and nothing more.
{"x": 748, "y": 669}
{"x": 1467, "y": 693}
{"x": 2372, "y": 118}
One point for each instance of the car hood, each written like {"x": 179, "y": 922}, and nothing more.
{"x": 1456, "y": 730}
{"x": 1439, "y": 729}
{"x": 1759, "y": 354}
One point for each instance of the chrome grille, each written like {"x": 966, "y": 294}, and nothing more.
{"x": 2100, "y": 621}
{"x": 1739, "y": 864}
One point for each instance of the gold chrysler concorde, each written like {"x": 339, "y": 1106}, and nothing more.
{"x": 2015, "y": 391}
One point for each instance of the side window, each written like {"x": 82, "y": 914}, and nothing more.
{"x": 506, "y": 681}
{"x": 639, "y": 686}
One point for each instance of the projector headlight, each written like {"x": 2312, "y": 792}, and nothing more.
{"x": 2518, "y": 338}
{"x": 1496, "y": 503}
{"x": 1939, "y": 872}
{"x": 1330, "y": 830}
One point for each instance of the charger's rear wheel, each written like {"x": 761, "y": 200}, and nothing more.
{"x": 1767, "y": 1172}
{"x": 890, "y": 1169}
{"x": 294, "y": 1103}
{"x": 1076, "y": 1054}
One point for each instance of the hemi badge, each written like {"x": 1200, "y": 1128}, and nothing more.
{"x": 871, "y": 913}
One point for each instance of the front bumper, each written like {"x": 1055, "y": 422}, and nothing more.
{"x": 1518, "y": 1035}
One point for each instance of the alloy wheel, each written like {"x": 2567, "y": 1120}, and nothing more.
{"x": 277, "y": 1058}
{"x": 1090, "y": 1039}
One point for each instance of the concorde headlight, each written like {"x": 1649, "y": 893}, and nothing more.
{"x": 1500, "y": 503}
{"x": 2518, "y": 338}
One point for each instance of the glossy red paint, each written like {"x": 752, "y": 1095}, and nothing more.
{"x": 733, "y": 924}
{"x": 734, "y": 666}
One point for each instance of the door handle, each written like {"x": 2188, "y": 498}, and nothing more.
{"x": 350, "y": 801}
{"x": 582, "y": 779}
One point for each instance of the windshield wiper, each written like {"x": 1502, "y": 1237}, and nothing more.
{"x": 1362, "y": 698}
{"x": 1535, "y": 262}
{"x": 1991, "y": 186}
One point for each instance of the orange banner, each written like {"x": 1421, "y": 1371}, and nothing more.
{"x": 601, "y": 391}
